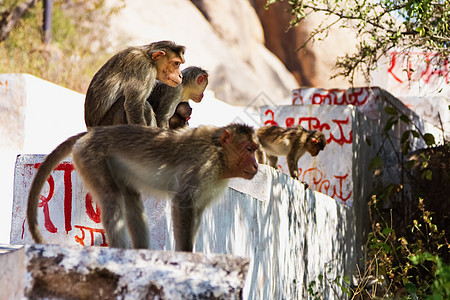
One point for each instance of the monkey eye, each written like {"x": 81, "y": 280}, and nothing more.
{"x": 251, "y": 148}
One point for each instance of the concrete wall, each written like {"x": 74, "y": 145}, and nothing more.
{"x": 97, "y": 273}
{"x": 424, "y": 87}
{"x": 288, "y": 233}
{"x": 35, "y": 116}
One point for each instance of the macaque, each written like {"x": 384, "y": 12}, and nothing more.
{"x": 129, "y": 77}
{"x": 116, "y": 163}
{"x": 291, "y": 142}
{"x": 163, "y": 100}
{"x": 181, "y": 116}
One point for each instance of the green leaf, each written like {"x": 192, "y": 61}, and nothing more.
{"x": 386, "y": 247}
{"x": 387, "y": 231}
{"x": 405, "y": 119}
{"x": 375, "y": 163}
{"x": 427, "y": 174}
{"x": 415, "y": 133}
{"x": 405, "y": 136}
{"x": 429, "y": 139}
{"x": 411, "y": 288}
{"x": 406, "y": 147}
{"x": 391, "y": 111}
{"x": 390, "y": 123}
{"x": 346, "y": 279}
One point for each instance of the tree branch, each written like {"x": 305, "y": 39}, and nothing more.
{"x": 10, "y": 18}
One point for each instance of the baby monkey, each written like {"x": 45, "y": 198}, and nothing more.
{"x": 181, "y": 116}
{"x": 291, "y": 142}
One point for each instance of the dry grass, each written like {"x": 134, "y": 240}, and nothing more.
{"x": 78, "y": 48}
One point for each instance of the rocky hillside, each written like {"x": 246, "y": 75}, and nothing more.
{"x": 229, "y": 39}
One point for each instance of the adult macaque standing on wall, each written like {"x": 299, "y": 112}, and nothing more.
{"x": 162, "y": 103}
{"x": 130, "y": 75}
{"x": 291, "y": 142}
{"x": 116, "y": 162}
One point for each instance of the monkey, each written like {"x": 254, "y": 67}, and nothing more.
{"x": 292, "y": 142}
{"x": 181, "y": 116}
{"x": 116, "y": 162}
{"x": 130, "y": 76}
{"x": 163, "y": 100}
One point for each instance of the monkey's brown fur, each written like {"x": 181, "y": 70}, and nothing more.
{"x": 291, "y": 142}
{"x": 117, "y": 162}
{"x": 129, "y": 76}
{"x": 163, "y": 100}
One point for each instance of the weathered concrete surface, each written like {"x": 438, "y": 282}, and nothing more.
{"x": 35, "y": 116}
{"x": 289, "y": 234}
{"x": 420, "y": 83}
{"x": 71, "y": 272}
{"x": 12, "y": 266}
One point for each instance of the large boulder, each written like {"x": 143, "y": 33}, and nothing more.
{"x": 314, "y": 64}
{"x": 230, "y": 47}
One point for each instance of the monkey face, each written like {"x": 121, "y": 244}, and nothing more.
{"x": 197, "y": 92}
{"x": 240, "y": 155}
{"x": 168, "y": 69}
{"x": 247, "y": 164}
{"x": 316, "y": 144}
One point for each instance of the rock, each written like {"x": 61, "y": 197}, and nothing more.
{"x": 313, "y": 65}
{"x": 104, "y": 273}
{"x": 231, "y": 48}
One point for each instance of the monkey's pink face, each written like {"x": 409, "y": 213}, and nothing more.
{"x": 247, "y": 164}
{"x": 241, "y": 160}
{"x": 168, "y": 68}
{"x": 197, "y": 93}
{"x": 315, "y": 145}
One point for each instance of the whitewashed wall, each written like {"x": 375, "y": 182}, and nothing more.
{"x": 330, "y": 172}
{"x": 288, "y": 233}
{"x": 35, "y": 116}
{"x": 415, "y": 79}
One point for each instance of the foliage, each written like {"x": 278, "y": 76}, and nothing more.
{"x": 340, "y": 285}
{"x": 407, "y": 251}
{"x": 409, "y": 261}
{"x": 379, "y": 26}
{"x": 397, "y": 268}
{"x": 411, "y": 267}
{"x": 78, "y": 46}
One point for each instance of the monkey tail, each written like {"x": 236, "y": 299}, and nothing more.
{"x": 51, "y": 162}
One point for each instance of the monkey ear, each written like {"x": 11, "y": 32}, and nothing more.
{"x": 225, "y": 138}
{"x": 202, "y": 78}
{"x": 158, "y": 55}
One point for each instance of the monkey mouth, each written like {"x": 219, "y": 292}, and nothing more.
{"x": 197, "y": 98}
{"x": 173, "y": 83}
{"x": 249, "y": 174}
